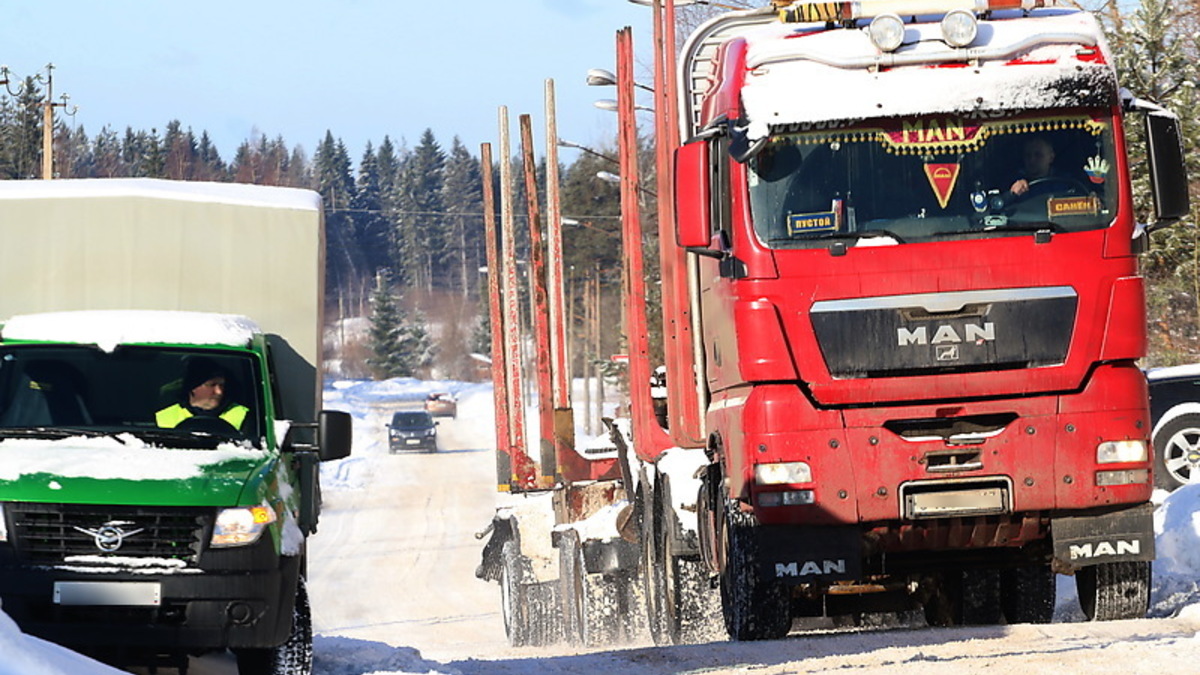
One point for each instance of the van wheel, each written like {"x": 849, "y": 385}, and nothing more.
{"x": 293, "y": 657}
{"x": 1177, "y": 452}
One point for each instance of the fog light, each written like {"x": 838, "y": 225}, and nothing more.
{"x": 887, "y": 32}
{"x": 1116, "y": 452}
{"x": 959, "y": 28}
{"x": 789, "y": 498}
{"x": 1125, "y": 477}
{"x": 784, "y": 473}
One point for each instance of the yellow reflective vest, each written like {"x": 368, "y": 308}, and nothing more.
{"x": 171, "y": 416}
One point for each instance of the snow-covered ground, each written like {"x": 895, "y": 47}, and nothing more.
{"x": 394, "y": 593}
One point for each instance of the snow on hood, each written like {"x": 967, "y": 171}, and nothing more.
{"x": 109, "y": 328}
{"x": 124, "y": 457}
{"x": 787, "y": 85}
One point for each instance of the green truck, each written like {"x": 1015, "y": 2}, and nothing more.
{"x": 160, "y": 438}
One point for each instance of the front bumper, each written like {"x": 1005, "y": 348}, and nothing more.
{"x": 247, "y": 602}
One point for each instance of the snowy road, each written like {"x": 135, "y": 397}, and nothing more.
{"x": 394, "y": 592}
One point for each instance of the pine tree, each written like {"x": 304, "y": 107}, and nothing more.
{"x": 419, "y": 209}
{"x": 384, "y": 332}
{"x": 462, "y": 193}
{"x": 401, "y": 345}
{"x": 370, "y": 226}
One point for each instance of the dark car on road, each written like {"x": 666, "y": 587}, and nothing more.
{"x": 412, "y": 430}
{"x": 1175, "y": 420}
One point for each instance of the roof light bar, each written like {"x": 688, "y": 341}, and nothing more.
{"x": 832, "y": 12}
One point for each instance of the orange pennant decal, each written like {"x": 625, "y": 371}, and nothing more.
{"x": 942, "y": 178}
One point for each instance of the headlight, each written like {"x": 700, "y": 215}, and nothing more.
{"x": 785, "y": 473}
{"x": 1115, "y": 452}
{"x": 3, "y": 525}
{"x": 959, "y": 28}
{"x": 887, "y": 32}
{"x": 239, "y": 527}
{"x": 431, "y": 431}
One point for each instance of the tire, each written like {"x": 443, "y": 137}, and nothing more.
{"x": 530, "y": 609}
{"x": 654, "y": 573}
{"x": 981, "y": 598}
{"x": 1027, "y": 594}
{"x": 293, "y": 657}
{"x": 591, "y": 603}
{"x": 678, "y": 597}
{"x": 965, "y": 598}
{"x": 513, "y": 602}
{"x": 1114, "y": 591}
{"x": 753, "y": 608}
{"x": 1177, "y": 452}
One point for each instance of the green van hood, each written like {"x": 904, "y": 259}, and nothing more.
{"x": 127, "y": 471}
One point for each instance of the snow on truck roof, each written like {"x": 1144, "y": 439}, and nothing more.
{"x": 109, "y": 328}
{"x": 150, "y": 188}
{"x": 844, "y": 76}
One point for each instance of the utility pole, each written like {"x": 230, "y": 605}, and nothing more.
{"x": 48, "y": 106}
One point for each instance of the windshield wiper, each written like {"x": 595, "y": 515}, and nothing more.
{"x": 50, "y": 432}
{"x": 840, "y": 236}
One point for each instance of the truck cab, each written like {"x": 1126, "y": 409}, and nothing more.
{"x": 919, "y": 309}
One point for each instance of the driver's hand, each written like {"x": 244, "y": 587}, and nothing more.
{"x": 1020, "y": 187}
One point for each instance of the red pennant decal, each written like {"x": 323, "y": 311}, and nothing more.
{"x": 942, "y": 178}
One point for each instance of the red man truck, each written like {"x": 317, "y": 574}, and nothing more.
{"x": 903, "y": 319}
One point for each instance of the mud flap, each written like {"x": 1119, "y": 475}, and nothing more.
{"x": 1119, "y": 536}
{"x": 801, "y": 555}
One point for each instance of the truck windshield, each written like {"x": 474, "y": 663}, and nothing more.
{"x": 934, "y": 178}
{"x": 167, "y": 397}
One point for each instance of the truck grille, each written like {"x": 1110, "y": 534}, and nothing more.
{"x": 51, "y": 534}
{"x": 933, "y": 333}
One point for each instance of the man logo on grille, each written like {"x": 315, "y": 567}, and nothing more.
{"x": 110, "y": 536}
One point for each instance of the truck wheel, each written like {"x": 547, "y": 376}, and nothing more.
{"x": 513, "y": 603}
{"x": 1177, "y": 452}
{"x": 293, "y": 657}
{"x": 1114, "y": 591}
{"x": 964, "y": 598}
{"x": 754, "y": 608}
{"x": 654, "y": 573}
{"x": 1027, "y": 594}
{"x": 678, "y": 596}
{"x": 590, "y": 602}
{"x": 530, "y": 609}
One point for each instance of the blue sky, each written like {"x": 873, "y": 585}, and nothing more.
{"x": 361, "y": 68}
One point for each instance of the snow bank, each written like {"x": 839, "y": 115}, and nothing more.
{"x": 1177, "y": 543}
{"x": 21, "y": 654}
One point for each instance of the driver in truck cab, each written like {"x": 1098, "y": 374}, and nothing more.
{"x": 203, "y": 395}
{"x": 1037, "y": 161}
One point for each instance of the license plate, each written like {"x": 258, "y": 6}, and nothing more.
{"x": 974, "y": 502}
{"x": 108, "y": 593}
{"x": 413, "y": 441}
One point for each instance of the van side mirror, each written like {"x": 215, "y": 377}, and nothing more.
{"x": 333, "y": 435}
{"x": 1168, "y": 174}
{"x": 693, "y": 215}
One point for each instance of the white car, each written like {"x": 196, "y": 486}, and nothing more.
{"x": 1175, "y": 414}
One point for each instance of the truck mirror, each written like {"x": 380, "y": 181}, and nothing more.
{"x": 333, "y": 435}
{"x": 1168, "y": 175}
{"x": 693, "y": 219}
